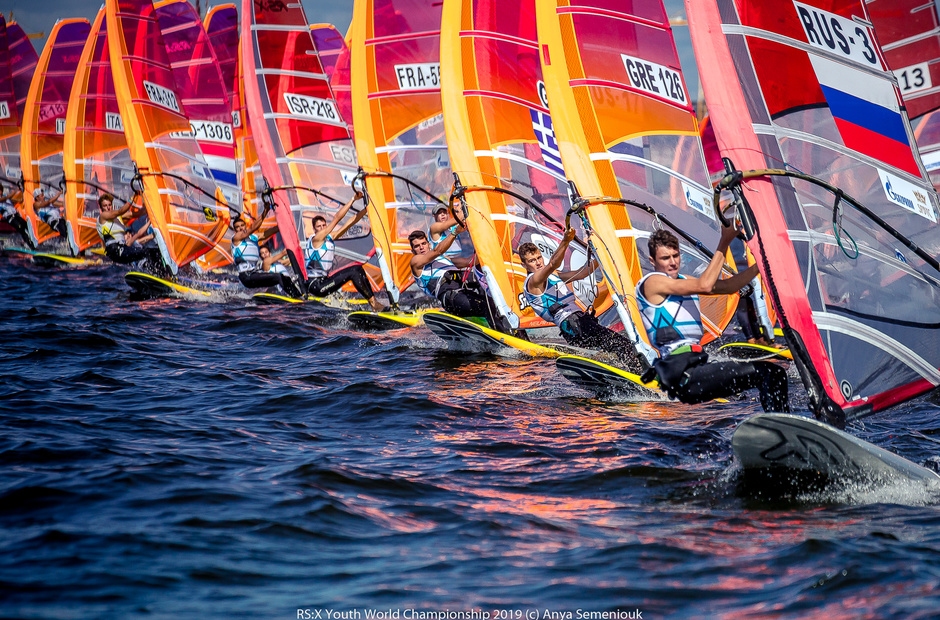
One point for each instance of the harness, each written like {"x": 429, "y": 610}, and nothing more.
{"x": 111, "y": 231}
{"x": 555, "y": 304}
{"x": 433, "y": 274}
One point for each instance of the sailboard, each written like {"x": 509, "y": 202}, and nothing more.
{"x": 303, "y": 144}
{"x": 95, "y": 156}
{"x": 850, "y": 262}
{"x": 501, "y": 140}
{"x": 47, "y": 259}
{"x": 202, "y": 92}
{"x": 752, "y": 352}
{"x": 466, "y": 335}
{"x": 187, "y": 211}
{"x": 43, "y": 130}
{"x": 152, "y": 286}
{"x": 629, "y": 139}
{"x": 782, "y": 443}
{"x": 605, "y": 379}
{"x": 385, "y": 320}
{"x": 400, "y": 141}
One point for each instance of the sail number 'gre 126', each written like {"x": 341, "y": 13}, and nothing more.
{"x": 655, "y": 79}
{"x": 312, "y": 107}
{"x": 418, "y": 76}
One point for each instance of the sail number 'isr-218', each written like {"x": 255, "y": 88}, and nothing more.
{"x": 655, "y": 79}
{"x": 834, "y": 33}
{"x": 312, "y": 107}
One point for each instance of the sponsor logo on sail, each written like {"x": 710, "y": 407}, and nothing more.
{"x": 907, "y": 195}
{"x": 418, "y": 76}
{"x": 179, "y": 46}
{"x": 161, "y": 96}
{"x": 837, "y": 35}
{"x": 655, "y": 79}
{"x": 698, "y": 200}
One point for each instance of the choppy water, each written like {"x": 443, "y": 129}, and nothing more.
{"x": 183, "y": 459}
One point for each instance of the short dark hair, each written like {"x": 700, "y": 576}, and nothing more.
{"x": 662, "y": 238}
{"x": 104, "y": 197}
{"x": 318, "y": 217}
{"x": 416, "y": 234}
{"x": 527, "y": 248}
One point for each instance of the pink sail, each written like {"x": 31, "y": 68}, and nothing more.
{"x": 10, "y": 172}
{"x": 303, "y": 143}
{"x": 221, "y": 25}
{"x": 43, "y": 136}
{"x": 23, "y": 61}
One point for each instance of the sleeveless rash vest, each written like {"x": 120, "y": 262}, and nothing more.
{"x": 682, "y": 313}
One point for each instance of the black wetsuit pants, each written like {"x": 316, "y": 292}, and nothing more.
{"x": 19, "y": 225}
{"x": 468, "y": 299}
{"x": 582, "y": 330}
{"x": 266, "y": 279}
{"x": 124, "y": 255}
{"x": 326, "y": 285}
{"x": 719, "y": 379}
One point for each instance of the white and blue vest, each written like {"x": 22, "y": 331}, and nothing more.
{"x": 247, "y": 254}
{"x": 320, "y": 260}
{"x": 682, "y": 313}
{"x": 430, "y": 277}
{"x": 454, "y": 249}
{"x": 555, "y": 304}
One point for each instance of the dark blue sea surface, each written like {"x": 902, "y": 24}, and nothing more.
{"x": 187, "y": 459}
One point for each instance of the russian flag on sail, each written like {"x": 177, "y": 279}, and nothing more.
{"x": 867, "y": 113}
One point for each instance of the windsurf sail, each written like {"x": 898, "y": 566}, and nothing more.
{"x": 329, "y": 43}
{"x": 96, "y": 160}
{"x": 341, "y": 84}
{"x": 43, "y": 136}
{"x": 303, "y": 143}
{"x": 9, "y": 118}
{"x": 851, "y": 264}
{"x": 927, "y": 136}
{"x": 221, "y": 24}
{"x": 187, "y": 211}
{"x": 909, "y": 34}
{"x": 396, "y": 101}
{"x": 629, "y": 140}
{"x": 23, "y": 61}
{"x": 202, "y": 91}
{"x": 501, "y": 139}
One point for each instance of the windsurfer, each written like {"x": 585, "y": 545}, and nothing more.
{"x": 49, "y": 211}
{"x": 320, "y": 251}
{"x": 11, "y": 215}
{"x": 669, "y": 306}
{"x": 439, "y": 278}
{"x": 273, "y": 263}
{"x": 548, "y": 295}
{"x": 445, "y": 225}
{"x": 119, "y": 244}
{"x": 246, "y": 251}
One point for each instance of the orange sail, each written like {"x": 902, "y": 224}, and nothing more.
{"x": 96, "y": 159}
{"x": 44, "y": 123}
{"x": 186, "y": 209}
{"x": 396, "y": 103}
{"x": 627, "y": 132}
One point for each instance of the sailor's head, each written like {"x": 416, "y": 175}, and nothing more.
{"x": 531, "y": 257}
{"x": 239, "y": 225}
{"x": 264, "y": 251}
{"x": 664, "y": 253}
{"x": 319, "y": 223}
{"x": 38, "y": 192}
{"x": 441, "y": 214}
{"x": 105, "y": 201}
{"x": 419, "y": 242}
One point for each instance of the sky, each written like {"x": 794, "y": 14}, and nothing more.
{"x": 37, "y": 16}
